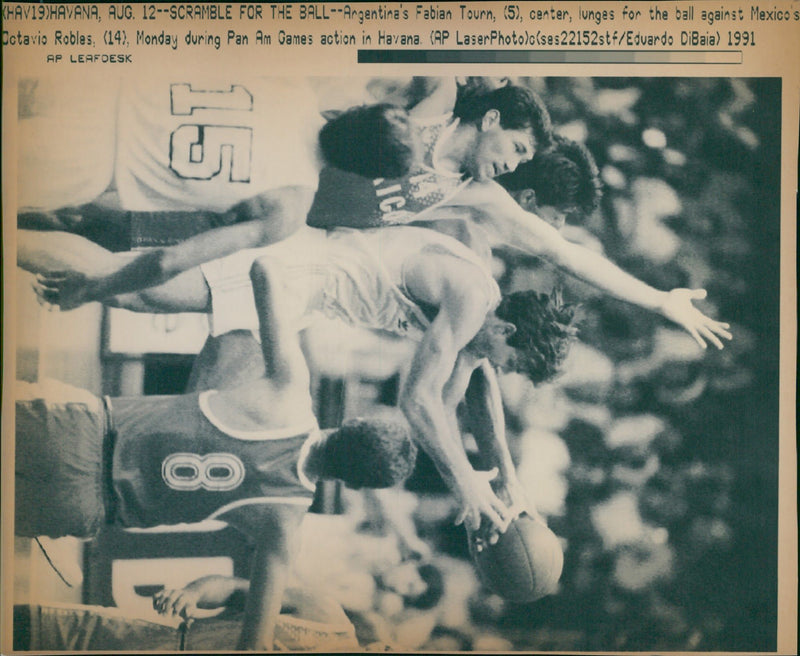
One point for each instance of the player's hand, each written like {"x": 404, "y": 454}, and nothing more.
{"x": 177, "y": 603}
{"x": 478, "y": 500}
{"x": 206, "y": 592}
{"x": 514, "y": 495}
{"x": 678, "y": 307}
{"x": 66, "y": 289}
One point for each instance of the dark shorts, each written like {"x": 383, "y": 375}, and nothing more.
{"x": 59, "y": 470}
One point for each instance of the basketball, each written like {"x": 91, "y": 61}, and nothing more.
{"x": 525, "y": 563}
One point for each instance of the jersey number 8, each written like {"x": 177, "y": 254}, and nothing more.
{"x": 215, "y": 472}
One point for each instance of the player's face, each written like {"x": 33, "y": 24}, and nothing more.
{"x": 498, "y": 150}
{"x": 551, "y": 214}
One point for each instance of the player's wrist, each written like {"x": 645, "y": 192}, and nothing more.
{"x": 660, "y": 303}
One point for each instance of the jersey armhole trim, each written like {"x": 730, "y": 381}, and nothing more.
{"x": 289, "y": 501}
{"x": 307, "y": 426}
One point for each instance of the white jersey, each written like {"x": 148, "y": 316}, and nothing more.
{"x": 198, "y": 142}
{"x": 66, "y": 138}
{"x": 356, "y": 276}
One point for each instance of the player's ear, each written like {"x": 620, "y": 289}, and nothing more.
{"x": 526, "y": 198}
{"x": 504, "y": 328}
{"x": 490, "y": 119}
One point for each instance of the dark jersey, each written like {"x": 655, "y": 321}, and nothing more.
{"x": 172, "y": 465}
{"x": 348, "y": 200}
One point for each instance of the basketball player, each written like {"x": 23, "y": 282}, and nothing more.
{"x": 496, "y": 132}
{"x": 217, "y": 164}
{"x": 675, "y": 305}
{"x": 419, "y": 284}
{"x": 247, "y": 456}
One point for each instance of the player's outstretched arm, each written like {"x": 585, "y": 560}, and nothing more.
{"x": 527, "y": 232}
{"x": 265, "y": 219}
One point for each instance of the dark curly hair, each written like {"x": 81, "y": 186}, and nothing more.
{"x": 545, "y": 330}
{"x": 374, "y": 141}
{"x": 565, "y": 176}
{"x": 519, "y": 108}
{"x": 370, "y": 453}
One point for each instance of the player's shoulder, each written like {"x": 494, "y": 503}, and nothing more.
{"x": 485, "y": 195}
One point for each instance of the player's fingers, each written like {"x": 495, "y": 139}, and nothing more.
{"x": 698, "y": 293}
{"x": 183, "y": 608}
{"x": 48, "y": 295}
{"x": 177, "y": 602}
{"x": 41, "y": 290}
{"x": 43, "y": 284}
{"x": 473, "y": 520}
{"x": 460, "y": 517}
{"x": 505, "y": 513}
{"x": 496, "y": 519}
{"x": 693, "y": 332}
{"x": 160, "y": 600}
{"x": 166, "y": 600}
{"x": 710, "y": 336}
{"x": 492, "y": 474}
{"x": 721, "y": 329}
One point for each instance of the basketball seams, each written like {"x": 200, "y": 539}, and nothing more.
{"x": 527, "y": 555}
{"x": 501, "y": 567}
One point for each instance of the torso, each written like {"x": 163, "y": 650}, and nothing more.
{"x": 353, "y": 275}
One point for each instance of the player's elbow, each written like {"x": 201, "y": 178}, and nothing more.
{"x": 164, "y": 264}
{"x": 413, "y": 403}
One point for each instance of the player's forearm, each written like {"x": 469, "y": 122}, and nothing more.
{"x": 216, "y": 591}
{"x": 159, "y": 265}
{"x": 263, "y": 605}
{"x": 144, "y": 271}
{"x": 600, "y": 272}
{"x": 427, "y": 416}
{"x": 538, "y": 238}
{"x": 487, "y": 420}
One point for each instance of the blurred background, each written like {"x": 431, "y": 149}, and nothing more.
{"x": 655, "y": 462}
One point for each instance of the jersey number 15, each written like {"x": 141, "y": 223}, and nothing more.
{"x": 203, "y": 151}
